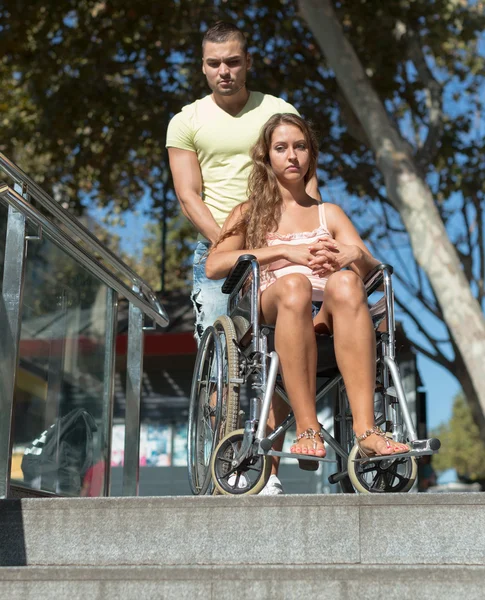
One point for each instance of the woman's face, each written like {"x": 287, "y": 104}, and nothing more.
{"x": 289, "y": 154}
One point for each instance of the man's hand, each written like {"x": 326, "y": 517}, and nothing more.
{"x": 330, "y": 256}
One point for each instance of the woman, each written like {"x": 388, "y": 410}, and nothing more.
{"x": 303, "y": 247}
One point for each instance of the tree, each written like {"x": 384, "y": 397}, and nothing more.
{"x": 406, "y": 187}
{"x": 89, "y": 88}
{"x": 462, "y": 447}
{"x": 177, "y": 269}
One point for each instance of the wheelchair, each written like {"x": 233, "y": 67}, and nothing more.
{"x": 226, "y": 458}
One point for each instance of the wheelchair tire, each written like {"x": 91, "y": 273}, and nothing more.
{"x": 230, "y": 372}
{"x": 248, "y": 479}
{"x": 205, "y": 412}
{"x": 382, "y": 477}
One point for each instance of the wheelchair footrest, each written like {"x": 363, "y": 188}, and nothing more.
{"x": 415, "y": 453}
{"x": 430, "y": 444}
{"x": 418, "y": 448}
{"x": 297, "y": 456}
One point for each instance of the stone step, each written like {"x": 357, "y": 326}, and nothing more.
{"x": 393, "y": 529}
{"x": 268, "y": 582}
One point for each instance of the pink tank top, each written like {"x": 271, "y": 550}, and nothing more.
{"x": 282, "y": 267}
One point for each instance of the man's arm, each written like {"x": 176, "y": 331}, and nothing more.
{"x": 188, "y": 187}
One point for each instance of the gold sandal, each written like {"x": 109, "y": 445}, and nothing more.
{"x": 305, "y": 464}
{"x": 378, "y": 431}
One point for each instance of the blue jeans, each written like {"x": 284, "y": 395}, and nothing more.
{"x": 208, "y": 300}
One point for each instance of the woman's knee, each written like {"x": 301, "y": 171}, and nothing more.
{"x": 345, "y": 288}
{"x": 295, "y": 292}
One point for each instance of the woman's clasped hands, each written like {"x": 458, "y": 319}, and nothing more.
{"x": 329, "y": 256}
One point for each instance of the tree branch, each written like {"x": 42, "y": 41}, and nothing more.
{"x": 439, "y": 359}
{"x": 433, "y": 341}
{"x": 480, "y": 242}
{"x": 434, "y": 93}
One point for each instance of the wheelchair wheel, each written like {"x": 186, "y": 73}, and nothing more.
{"x": 249, "y": 478}
{"x": 230, "y": 372}
{"x": 387, "y": 476}
{"x": 205, "y": 412}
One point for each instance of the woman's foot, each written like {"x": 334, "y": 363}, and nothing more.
{"x": 374, "y": 442}
{"x": 309, "y": 442}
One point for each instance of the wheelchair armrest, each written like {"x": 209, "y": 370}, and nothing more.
{"x": 237, "y": 272}
{"x": 375, "y": 277}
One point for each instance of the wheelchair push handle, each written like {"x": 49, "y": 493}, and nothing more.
{"x": 374, "y": 278}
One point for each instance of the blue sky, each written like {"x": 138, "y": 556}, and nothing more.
{"x": 441, "y": 387}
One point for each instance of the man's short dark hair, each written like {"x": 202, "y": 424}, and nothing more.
{"x": 222, "y": 32}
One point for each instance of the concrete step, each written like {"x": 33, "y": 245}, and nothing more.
{"x": 374, "y": 530}
{"x": 268, "y": 582}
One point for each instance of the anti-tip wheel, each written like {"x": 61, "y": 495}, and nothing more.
{"x": 249, "y": 477}
{"x": 397, "y": 474}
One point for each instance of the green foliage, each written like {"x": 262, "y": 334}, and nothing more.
{"x": 462, "y": 448}
{"x": 88, "y": 88}
{"x": 55, "y": 282}
{"x": 177, "y": 268}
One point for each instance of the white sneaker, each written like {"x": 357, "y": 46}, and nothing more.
{"x": 243, "y": 482}
{"x": 272, "y": 488}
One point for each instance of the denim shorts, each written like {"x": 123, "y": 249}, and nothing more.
{"x": 316, "y": 306}
{"x": 208, "y": 300}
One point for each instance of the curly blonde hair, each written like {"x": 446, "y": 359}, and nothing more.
{"x": 263, "y": 207}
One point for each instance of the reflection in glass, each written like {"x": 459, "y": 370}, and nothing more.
{"x": 3, "y": 234}
{"x": 59, "y": 392}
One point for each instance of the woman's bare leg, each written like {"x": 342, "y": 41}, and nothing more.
{"x": 346, "y": 314}
{"x": 287, "y": 304}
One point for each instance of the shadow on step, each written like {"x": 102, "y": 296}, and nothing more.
{"x": 12, "y": 539}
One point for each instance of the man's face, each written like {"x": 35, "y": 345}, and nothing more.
{"x": 225, "y": 65}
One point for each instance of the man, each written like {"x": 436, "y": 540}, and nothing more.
{"x": 208, "y": 146}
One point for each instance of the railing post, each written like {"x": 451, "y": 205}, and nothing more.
{"x": 134, "y": 374}
{"x": 10, "y": 323}
{"x": 109, "y": 381}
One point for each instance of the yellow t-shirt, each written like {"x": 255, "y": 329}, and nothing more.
{"x": 222, "y": 143}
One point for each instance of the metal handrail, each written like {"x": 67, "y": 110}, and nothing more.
{"x": 78, "y": 252}
{"x": 82, "y": 233}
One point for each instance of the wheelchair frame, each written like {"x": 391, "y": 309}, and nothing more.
{"x": 252, "y": 449}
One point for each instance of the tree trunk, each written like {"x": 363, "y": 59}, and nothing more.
{"x": 409, "y": 194}
{"x": 462, "y": 374}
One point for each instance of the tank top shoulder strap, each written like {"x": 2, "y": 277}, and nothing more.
{"x": 323, "y": 218}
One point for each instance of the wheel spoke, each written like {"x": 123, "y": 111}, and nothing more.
{"x": 235, "y": 447}
{"x": 399, "y": 476}
{"x": 375, "y": 485}
{"x": 369, "y": 469}
{"x": 227, "y": 475}
{"x": 388, "y": 480}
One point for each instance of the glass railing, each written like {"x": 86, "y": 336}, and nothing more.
{"x": 59, "y": 294}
